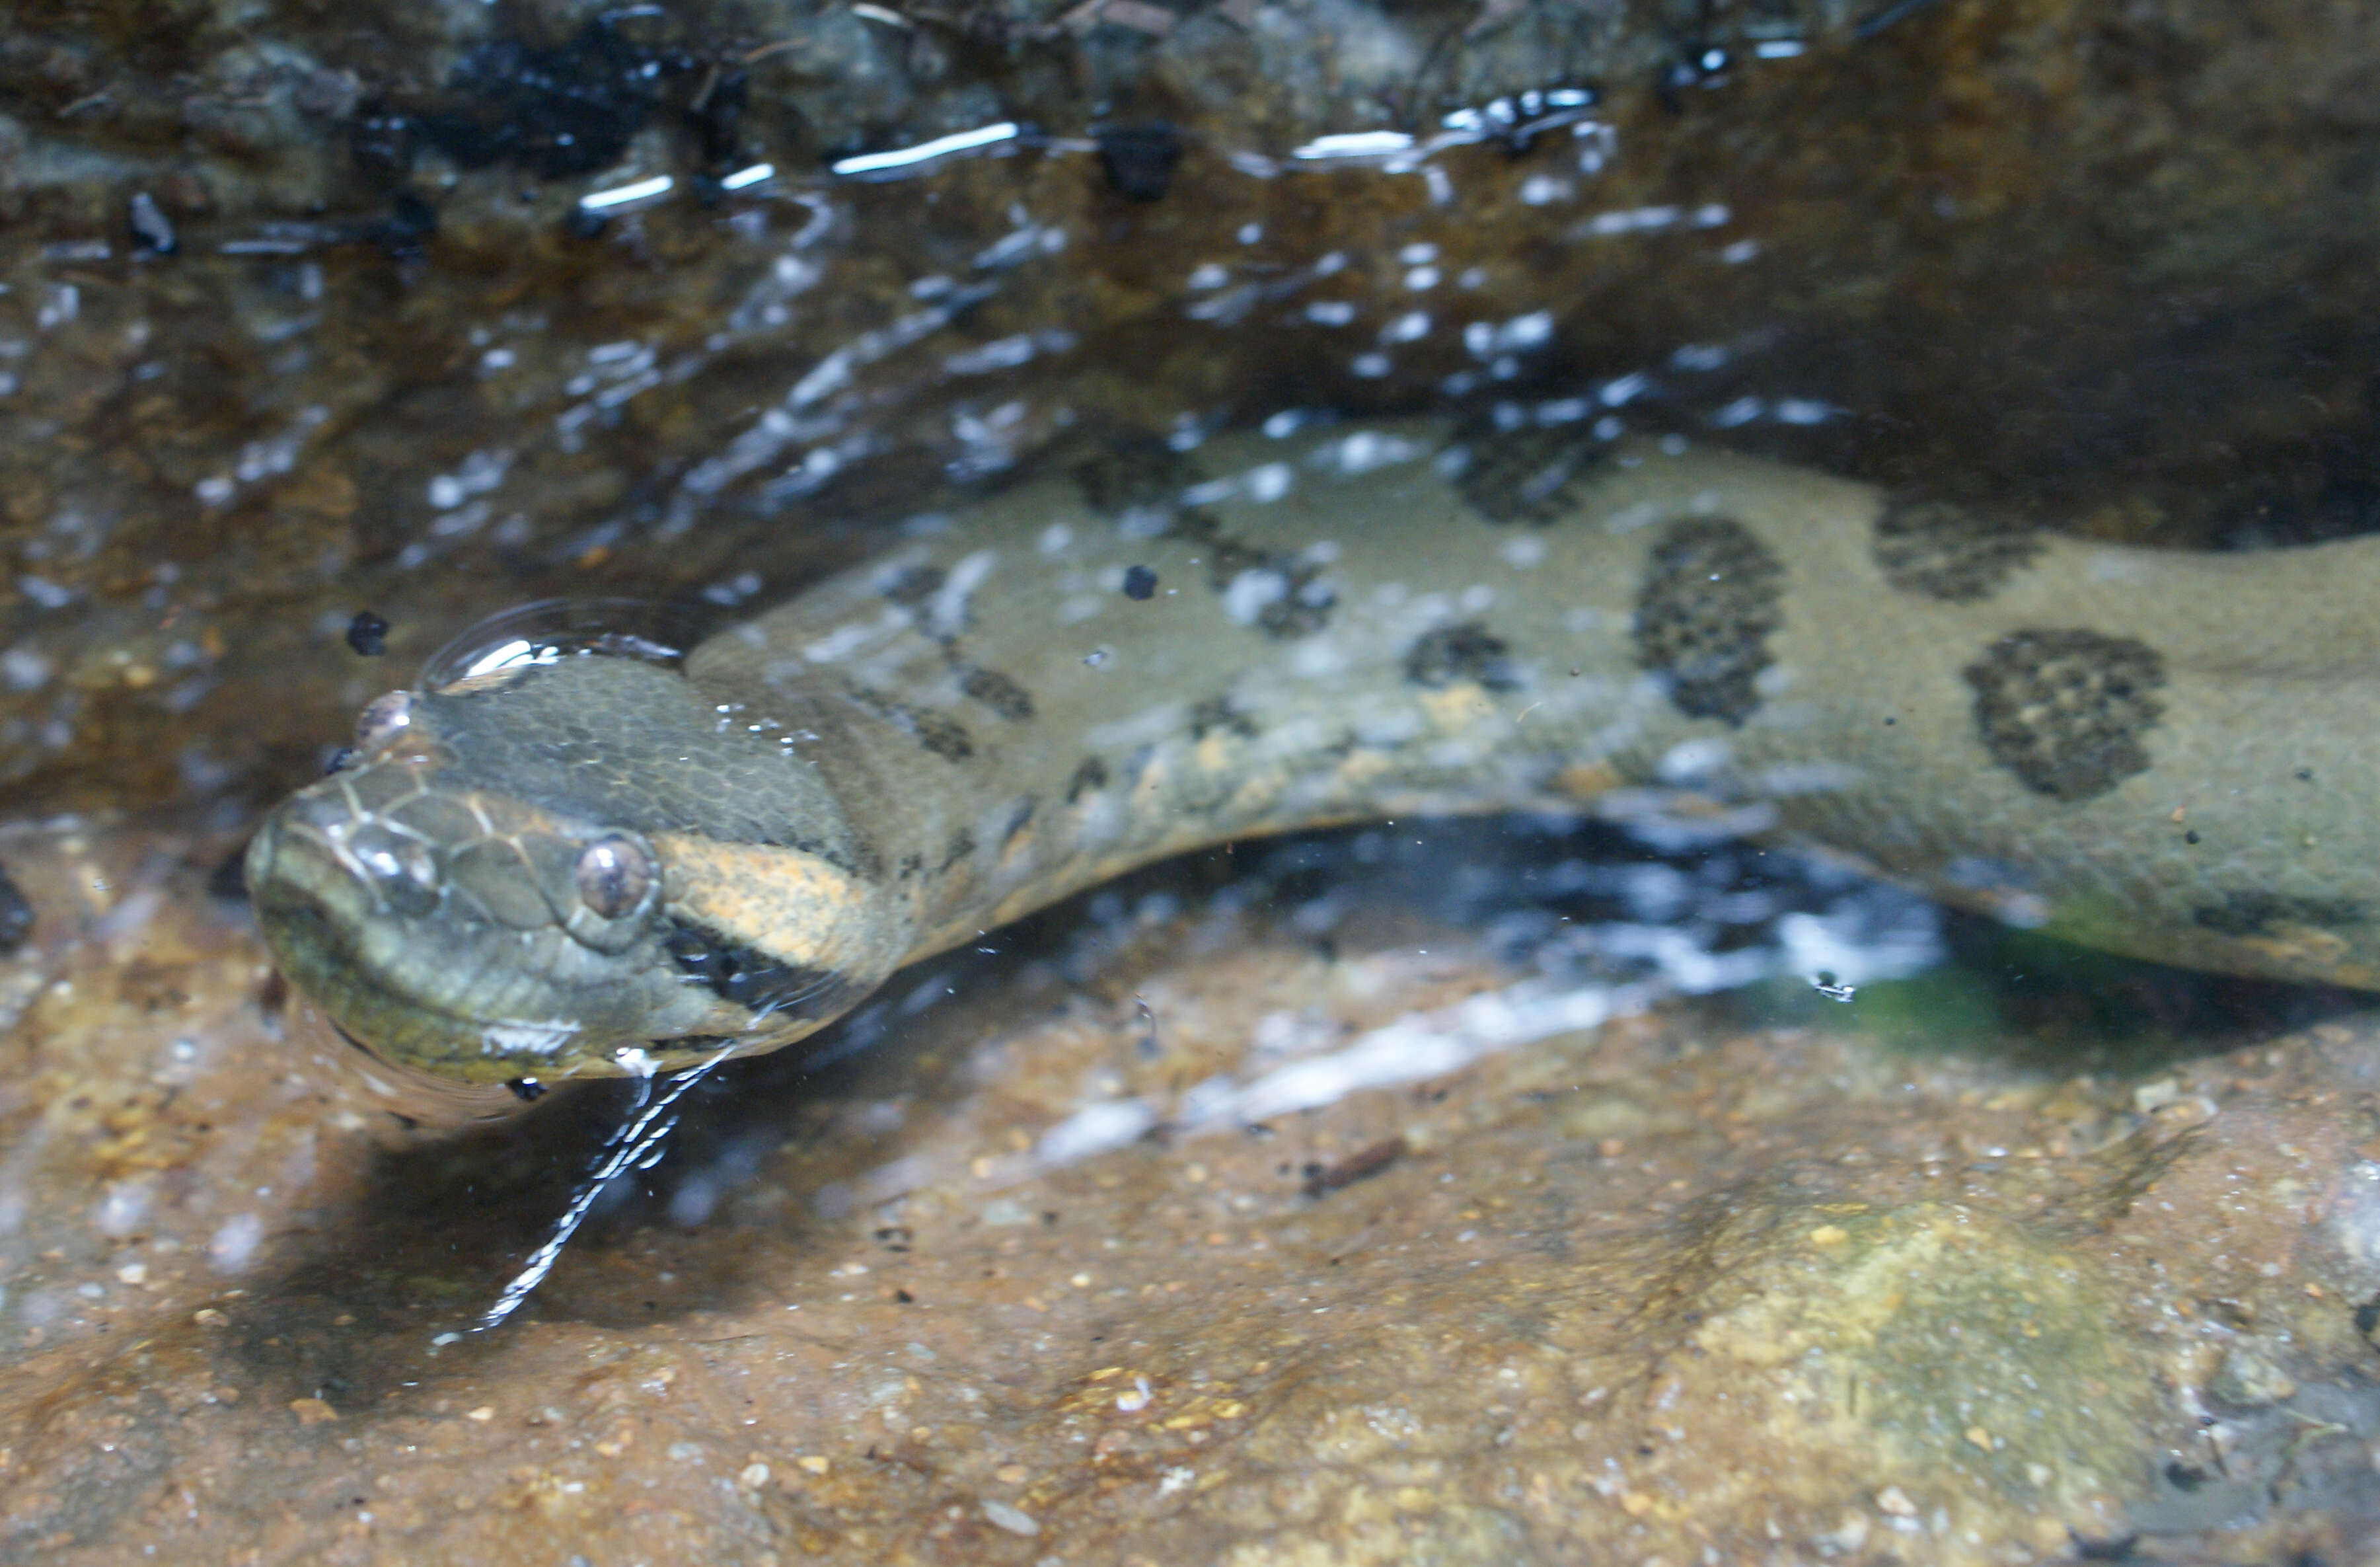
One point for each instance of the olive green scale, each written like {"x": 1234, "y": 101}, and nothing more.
{"x": 2167, "y": 755}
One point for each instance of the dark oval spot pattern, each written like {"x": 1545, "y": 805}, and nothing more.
{"x": 1710, "y": 598}
{"x": 1523, "y": 475}
{"x": 2065, "y": 710}
{"x": 938, "y": 733}
{"x": 1298, "y": 604}
{"x": 1092, "y": 774}
{"x": 1138, "y": 480}
{"x": 2259, "y": 913}
{"x": 1139, "y": 584}
{"x": 998, "y": 692}
{"x": 1304, "y": 606}
{"x": 1133, "y": 472}
{"x": 945, "y": 737}
{"x": 1947, "y": 552}
{"x": 1454, "y": 653}
{"x": 913, "y": 585}
{"x": 1220, "y": 714}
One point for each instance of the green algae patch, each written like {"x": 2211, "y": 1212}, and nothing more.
{"x": 1973, "y": 1372}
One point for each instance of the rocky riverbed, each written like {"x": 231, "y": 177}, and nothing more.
{"x": 431, "y": 309}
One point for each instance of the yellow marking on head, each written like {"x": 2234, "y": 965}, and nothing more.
{"x": 791, "y": 905}
{"x": 1215, "y": 752}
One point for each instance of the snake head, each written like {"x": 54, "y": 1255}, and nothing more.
{"x": 483, "y": 891}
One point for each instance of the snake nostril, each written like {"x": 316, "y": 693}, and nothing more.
{"x": 386, "y": 718}
{"x": 399, "y": 869}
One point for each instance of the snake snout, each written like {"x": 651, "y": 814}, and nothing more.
{"x": 314, "y": 841}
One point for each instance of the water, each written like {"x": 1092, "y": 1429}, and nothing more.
{"x": 525, "y": 320}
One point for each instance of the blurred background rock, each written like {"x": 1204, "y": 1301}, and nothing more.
{"x": 306, "y": 310}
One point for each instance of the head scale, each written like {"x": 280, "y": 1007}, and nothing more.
{"x": 519, "y": 876}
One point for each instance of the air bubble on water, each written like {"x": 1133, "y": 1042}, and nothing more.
{"x": 637, "y": 1145}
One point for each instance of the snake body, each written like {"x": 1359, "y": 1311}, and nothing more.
{"x": 593, "y": 863}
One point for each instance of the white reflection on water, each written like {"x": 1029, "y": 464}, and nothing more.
{"x": 908, "y": 159}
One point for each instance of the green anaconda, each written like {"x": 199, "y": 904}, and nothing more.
{"x": 591, "y": 863}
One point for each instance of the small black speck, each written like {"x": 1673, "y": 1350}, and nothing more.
{"x": 407, "y": 228}
{"x": 2184, "y": 1477}
{"x": 1892, "y": 720}
{"x": 368, "y": 634}
{"x": 529, "y": 1091}
{"x": 2367, "y": 1316}
{"x": 2190, "y": 836}
{"x": 1138, "y": 160}
{"x": 904, "y": 1297}
{"x": 1139, "y": 583}
{"x": 2305, "y": 775}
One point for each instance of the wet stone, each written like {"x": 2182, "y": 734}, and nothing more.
{"x": 211, "y": 452}
{"x": 1663, "y": 1284}
{"x": 1891, "y": 1335}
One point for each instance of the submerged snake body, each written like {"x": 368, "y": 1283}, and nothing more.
{"x": 597, "y": 864}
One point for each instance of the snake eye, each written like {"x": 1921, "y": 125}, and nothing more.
{"x": 614, "y": 877}
{"x": 384, "y": 720}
